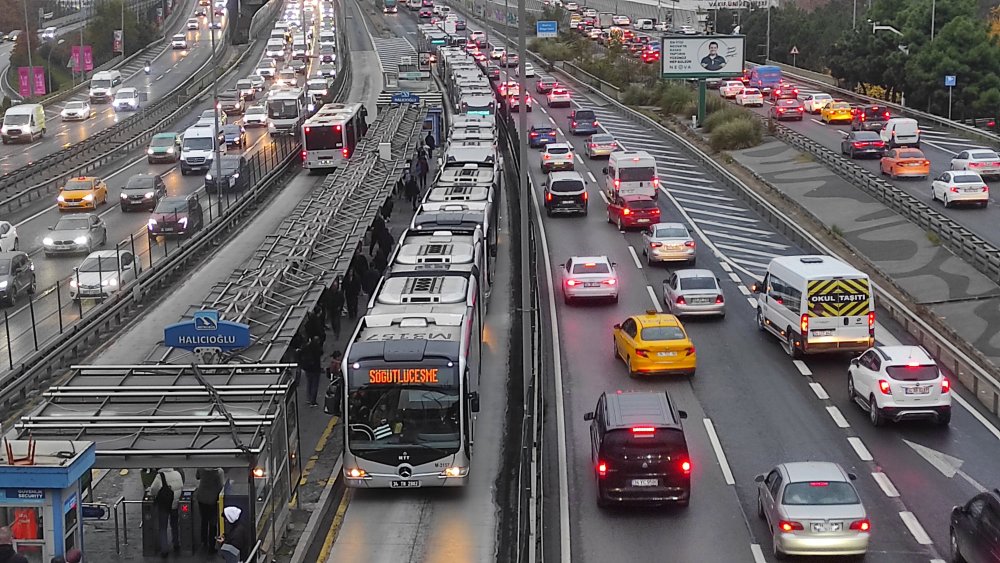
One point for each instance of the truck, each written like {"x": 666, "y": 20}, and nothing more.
{"x": 605, "y": 20}
{"x": 389, "y": 6}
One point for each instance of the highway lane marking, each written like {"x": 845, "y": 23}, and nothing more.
{"x": 714, "y": 205}
{"x": 635, "y": 257}
{"x": 591, "y": 176}
{"x": 720, "y": 455}
{"x": 756, "y": 242}
{"x": 733, "y": 227}
{"x": 758, "y": 553}
{"x": 753, "y": 302}
{"x": 700, "y": 194}
{"x": 716, "y": 215}
{"x": 579, "y": 159}
{"x": 916, "y": 530}
{"x": 885, "y": 484}
{"x": 745, "y": 250}
{"x": 652, "y": 296}
{"x": 938, "y": 147}
{"x": 743, "y": 289}
{"x": 34, "y": 145}
{"x": 553, "y": 122}
{"x": 725, "y": 266}
{"x": 604, "y": 197}
{"x": 335, "y": 525}
{"x": 859, "y": 448}
{"x": 802, "y": 367}
{"x": 816, "y": 121}
{"x": 735, "y": 277}
{"x": 819, "y": 391}
{"x": 838, "y": 417}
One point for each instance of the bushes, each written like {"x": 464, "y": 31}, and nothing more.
{"x": 723, "y": 115}
{"x": 740, "y": 133}
{"x": 675, "y": 98}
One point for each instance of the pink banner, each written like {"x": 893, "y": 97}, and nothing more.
{"x": 74, "y": 57}
{"x": 117, "y": 45}
{"x": 88, "y": 58}
{"x": 39, "y": 81}
{"x": 24, "y": 82}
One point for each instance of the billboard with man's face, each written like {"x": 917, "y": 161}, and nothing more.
{"x": 702, "y": 56}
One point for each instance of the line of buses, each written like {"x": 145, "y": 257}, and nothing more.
{"x": 412, "y": 366}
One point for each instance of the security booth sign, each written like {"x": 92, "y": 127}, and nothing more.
{"x": 702, "y": 56}
{"x": 206, "y": 330}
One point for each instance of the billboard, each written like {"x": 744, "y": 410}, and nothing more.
{"x": 702, "y": 56}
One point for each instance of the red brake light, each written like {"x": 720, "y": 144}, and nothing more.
{"x": 610, "y": 281}
{"x": 345, "y": 152}
{"x": 686, "y": 467}
{"x": 655, "y": 245}
{"x": 689, "y": 244}
{"x": 643, "y": 430}
{"x": 689, "y": 352}
{"x": 574, "y": 124}
{"x": 804, "y": 324}
{"x": 871, "y": 319}
{"x": 572, "y": 283}
{"x": 548, "y": 197}
{"x": 602, "y": 469}
{"x": 819, "y": 484}
{"x": 883, "y": 386}
{"x": 626, "y": 211}
{"x": 945, "y": 385}
{"x": 656, "y": 182}
{"x": 304, "y": 155}
{"x": 861, "y": 525}
{"x": 534, "y": 134}
{"x": 788, "y": 525}
{"x": 719, "y": 300}
{"x": 681, "y": 300}
{"x": 642, "y": 353}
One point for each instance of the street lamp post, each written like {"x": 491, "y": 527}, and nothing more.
{"x": 48, "y": 62}
{"x": 217, "y": 156}
{"x": 767, "y": 43}
{"x": 27, "y": 39}
{"x": 933, "y": 13}
{"x": 123, "y": 29}
{"x": 854, "y": 16}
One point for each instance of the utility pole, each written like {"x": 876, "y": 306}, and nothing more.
{"x": 524, "y": 199}
{"x": 933, "y": 10}
{"x": 123, "y": 29}
{"x": 767, "y": 46}
{"x": 27, "y": 40}
{"x": 217, "y": 156}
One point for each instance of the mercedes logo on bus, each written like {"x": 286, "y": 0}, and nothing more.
{"x": 405, "y": 471}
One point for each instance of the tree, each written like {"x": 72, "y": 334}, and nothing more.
{"x": 812, "y": 33}
{"x": 107, "y": 18}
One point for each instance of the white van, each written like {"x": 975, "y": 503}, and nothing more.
{"x": 127, "y": 99}
{"x": 104, "y": 85}
{"x": 23, "y": 122}
{"x": 631, "y": 173}
{"x": 644, "y": 24}
{"x": 198, "y": 148}
{"x": 816, "y": 304}
{"x": 900, "y": 132}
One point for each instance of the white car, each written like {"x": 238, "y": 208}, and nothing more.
{"x": 623, "y": 21}
{"x": 126, "y": 99}
{"x": 668, "y": 242}
{"x": 896, "y": 383}
{"x": 193, "y": 24}
{"x": 558, "y": 97}
{"x": 589, "y": 13}
{"x": 814, "y": 103}
{"x": 266, "y": 68}
{"x": 179, "y": 41}
{"x": 102, "y": 273}
{"x": 8, "y": 237}
{"x": 255, "y": 116}
{"x": 558, "y": 156}
{"x": 644, "y": 24}
{"x": 497, "y": 53}
{"x": 984, "y": 162}
{"x": 730, "y": 88}
{"x": 209, "y": 116}
{"x": 960, "y": 186}
{"x": 48, "y": 34}
{"x": 750, "y": 97}
{"x": 571, "y": 6}
{"x": 661, "y": 26}
{"x": 589, "y": 277}
{"x": 694, "y": 292}
{"x": 529, "y": 70}
{"x": 76, "y": 111}
{"x": 287, "y": 77}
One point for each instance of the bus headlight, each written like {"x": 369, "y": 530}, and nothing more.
{"x": 355, "y": 473}
{"x": 455, "y": 471}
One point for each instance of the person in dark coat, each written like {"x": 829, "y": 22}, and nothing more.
{"x": 386, "y": 209}
{"x": 385, "y": 242}
{"x": 412, "y": 192}
{"x": 429, "y": 140}
{"x": 380, "y": 261}
{"x": 422, "y": 169}
{"x": 421, "y": 151}
{"x": 7, "y": 553}
{"x": 310, "y": 358}
{"x": 236, "y": 541}
{"x": 335, "y": 305}
{"x": 359, "y": 264}
{"x": 378, "y": 225}
{"x": 397, "y": 190}
{"x": 317, "y": 323}
{"x": 206, "y": 494}
{"x": 370, "y": 282}
{"x": 352, "y": 288}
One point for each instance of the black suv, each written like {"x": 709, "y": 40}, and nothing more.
{"x": 869, "y": 118}
{"x": 639, "y": 451}
{"x": 143, "y": 191}
{"x": 17, "y": 276}
{"x": 975, "y": 529}
{"x": 235, "y": 174}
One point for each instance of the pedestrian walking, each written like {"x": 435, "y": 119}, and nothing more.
{"x": 422, "y": 169}
{"x": 7, "y": 553}
{"x": 397, "y": 190}
{"x": 333, "y": 404}
{"x": 335, "y": 305}
{"x": 370, "y": 282}
{"x": 412, "y": 192}
{"x": 352, "y": 289}
{"x": 388, "y": 205}
{"x": 429, "y": 140}
{"x": 166, "y": 493}
{"x": 386, "y": 242}
{"x": 206, "y": 494}
{"x": 380, "y": 261}
{"x": 421, "y": 151}
{"x": 236, "y": 541}
{"x": 309, "y": 358}
{"x": 359, "y": 264}
{"x": 378, "y": 225}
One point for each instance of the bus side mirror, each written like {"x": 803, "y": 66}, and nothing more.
{"x": 682, "y": 414}
{"x": 474, "y": 401}
{"x": 588, "y": 416}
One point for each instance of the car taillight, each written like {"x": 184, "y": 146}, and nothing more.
{"x": 804, "y": 324}
{"x": 626, "y": 211}
{"x": 618, "y": 183}
{"x": 861, "y": 525}
{"x": 572, "y": 124}
{"x": 719, "y": 300}
{"x": 610, "y": 281}
{"x": 656, "y": 182}
{"x": 585, "y": 196}
{"x": 789, "y": 525}
{"x": 781, "y": 110}
{"x": 593, "y": 145}
{"x": 546, "y": 156}
{"x": 986, "y": 188}
{"x": 801, "y": 109}
{"x": 345, "y": 152}
{"x": 602, "y": 469}
{"x": 884, "y": 387}
{"x": 655, "y": 244}
{"x": 548, "y": 197}
{"x": 304, "y": 155}
{"x": 596, "y": 124}
{"x": 689, "y": 244}
{"x": 945, "y": 385}
{"x": 533, "y": 134}
{"x": 681, "y": 300}
{"x": 859, "y": 144}
{"x": 572, "y": 283}
{"x": 886, "y": 115}
{"x": 569, "y": 156}
{"x": 953, "y": 190}
{"x": 686, "y": 467}
{"x": 871, "y": 319}
{"x": 690, "y": 351}
{"x": 642, "y": 353}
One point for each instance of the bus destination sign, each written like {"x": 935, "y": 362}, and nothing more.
{"x": 403, "y": 376}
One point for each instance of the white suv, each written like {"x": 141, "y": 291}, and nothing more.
{"x": 899, "y": 383}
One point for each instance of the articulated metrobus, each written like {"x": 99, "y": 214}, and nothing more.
{"x": 330, "y": 136}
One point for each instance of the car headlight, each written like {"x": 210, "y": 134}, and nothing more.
{"x": 151, "y": 223}
{"x": 112, "y": 282}
{"x": 60, "y": 198}
{"x": 148, "y": 195}
{"x": 72, "y": 283}
{"x": 208, "y": 176}
{"x": 88, "y": 197}
{"x": 47, "y": 241}
{"x": 149, "y": 151}
{"x": 170, "y": 150}
{"x": 123, "y": 195}
{"x": 81, "y": 240}
{"x": 3, "y": 284}
{"x": 183, "y": 221}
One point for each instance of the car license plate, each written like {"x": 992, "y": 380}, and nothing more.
{"x": 971, "y": 190}
{"x": 591, "y": 284}
{"x": 167, "y": 229}
{"x": 701, "y": 301}
{"x": 645, "y": 482}
{"x": 405, "y": 484}
{"x": 666, "y": 354}
{"x": 642, "y": 221}
{"x": 917, "y": 390}
{"x": 822, "y": 332}
{"x": 818, "y": 527}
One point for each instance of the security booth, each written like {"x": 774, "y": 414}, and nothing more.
{"x": 41, "y": 486}
{"x": 242, "y": 418}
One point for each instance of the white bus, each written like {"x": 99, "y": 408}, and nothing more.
{"x": 330, "y": 136}
{"x": 286, "y": 111}
{"x": 631, "y": 173}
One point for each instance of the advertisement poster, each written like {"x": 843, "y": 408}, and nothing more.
{"x": 117, "y": 47}
{"x": 74, "y": 57}
{"x": 39, "y": 81}
{"x": 702, "y": 56}
{"x": 23, "y": 81}
{"x": 88, "y": 58}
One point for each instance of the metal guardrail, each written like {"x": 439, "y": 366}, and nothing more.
{"x": 903, "y": 110}
{"x": 973, "y": 369}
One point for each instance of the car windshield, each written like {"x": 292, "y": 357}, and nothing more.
{"x": 912, "y": 373}
{"x": 230, "y": 164}
{"x": 198, "y": 144}
{"x": 14, "y": 119}
{"x": 636, "y": 173}
{"x": 282, "y": 109}
{"x": 822, "y": 97}
{"x": 751, "y": 92}
{"x": 125, "y": 95}
{"x": 602, "y": 139}
{"x": 4, "y": 266}
{"x": 99, "y": 264}
{"x": 139, "y": 182}
{"x": 393, "y": 416}
{"x": 229, "y": 95}
{"x": 671, "y": 232}
{"x": 654, "y": 333}
{"x": 967, "y": 179}
{"x": 911, "y": 154}
{"x": 584, "y": 115}
{"x": 231, "y": 129}
{"x": 984, "y": 155}
{"x": 73, "y": 224}
{"x": 256, "y": 110}
{"x": 591, "y": 268}
{"x": 162, "y": 141}
{"x": 820, "y": 493}
{"x": 171, "y": 206}
{"x": 76, "y": 105}
{"x": 244, "y": 84}
{"x": 700, "y": 282}
{"x": 641, "y": 204}
{"x": 566, "y": 186}
{"x": 624, "y": 443}
{"x": 100, "y": 83}
{"x": 78, "y": 184}
{"x": 866, "y": 136}
{"x": 787, "y": 102}
{"x": 557, "y": 150}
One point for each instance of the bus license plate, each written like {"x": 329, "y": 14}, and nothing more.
{"x": 645, "y": 482}
{"x": 405, "y": 484}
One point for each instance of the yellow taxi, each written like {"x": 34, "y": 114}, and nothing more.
{"x": 836, "y": 111}
{"x": 82, "y": 192}
{"x": 654, "y": 343}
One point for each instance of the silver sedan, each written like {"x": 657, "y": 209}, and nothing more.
{"x": 668, "y": 242}
{"x": 590, "y": 277}
{"x": 601, "y": 144}
{"x": 812, "y": 508}
{"x": 694, "y": 292}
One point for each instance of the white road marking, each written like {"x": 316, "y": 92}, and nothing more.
{"x": 802, "y": 367}
{"x": 604, "y": 197}
{"x": 543, "y": 110}
{"x": 743, "y": 289}
{"x": 749, "y": 263}
{"x": 635, "y": 257}
{"x": 745, "y": 250}
{"x": 727, "y": 473}
{"x": 758, "y": 553}
{"x": 735, "y": 227}
{"x": 725, "y": 265}
{"x": 820, "y": 392}
{"x": 580, "y": 160}
{"x": 753, "y": 302}
{"x": 885, "y": 484}
{"x": 816, "y": 121}
{"x": 915, "y": 528}
{"x": 860, "y": 449}
{"x": 714, "y": 205}
{"x": 972, "y": 410}
{"x": 591, "y": 176}
{"x": 735, "y": 277}
{"x": 34, "y": 145}
{"x": 722, "y": 216}
{"x": 752, "y": 241}
{"x": 700, "y": 195}
{"x": 656, "y": 301}
{"x": 938, "y": 147}
{"x": 838, "y": 417}
{"x": 554, "y": 122}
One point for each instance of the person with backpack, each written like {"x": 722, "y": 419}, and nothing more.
{"x": 166, "y": 493}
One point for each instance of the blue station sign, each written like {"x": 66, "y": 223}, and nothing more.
{"x": 405, "y": 98}
{"x": 546, "y": 29}
{"x": 206, "y": 330}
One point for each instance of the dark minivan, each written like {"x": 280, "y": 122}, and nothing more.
{"x": 565, "y": 192}
{"x": 639, "y": 451}
{"x": 975, "y": 529}
{"x": 869, "y": 118}
{"x": 235, "y": 174}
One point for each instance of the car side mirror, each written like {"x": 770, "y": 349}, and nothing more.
{"x": 474, "y": 401}
{"x": 759, "y": 478}
{"x": 52, "y": 228}
{"x": 617, "y": 326}
{"x": 855, "y": 362}
{"x": 852, "y": 477}
{"x": 605, "y": 169}
{"x": 588, "y": 416}
{"x": 682, "y": 414}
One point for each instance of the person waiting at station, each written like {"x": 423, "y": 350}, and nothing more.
{"x": 236, "y": 541}
{"x": 166, "y": 493}
{"x": 429, "y": 140}
{"x": 210, "y": 482}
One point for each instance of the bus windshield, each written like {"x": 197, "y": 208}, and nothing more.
{"x": 282, "y": 109}
{"x": 385, "y": 417}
